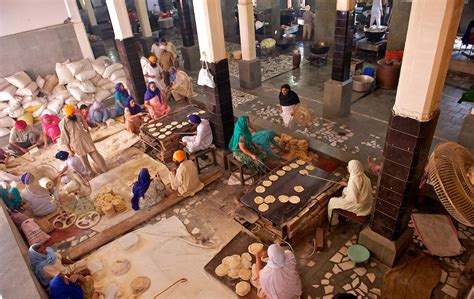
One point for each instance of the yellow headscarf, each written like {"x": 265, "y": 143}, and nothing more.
{"x": 152, "y": 59}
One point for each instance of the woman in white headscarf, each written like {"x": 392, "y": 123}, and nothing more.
{"x": 279, "y": 279}
{"x": 357, "y": 196}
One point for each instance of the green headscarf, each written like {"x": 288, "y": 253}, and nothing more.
{"x": 241, "y": 128}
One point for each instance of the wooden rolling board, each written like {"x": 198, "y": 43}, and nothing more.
{"x": 238, "y": 245}
{"x": 278, "y": 212}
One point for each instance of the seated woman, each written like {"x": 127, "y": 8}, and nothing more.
{"x": 50, "y": 124}
{"x": 279, "y": 279}
{"x": 133, "y": 116}
{"x": 120, "y": 96}
{"x": 356, "y": 197}
{"x": 37, "y": 198}
{"x": 147, "y": 191}
{"x": 263, "y": 139}
{"x": 181, "y": 86}
{"x": 11, "y": 200}
{"x": 46, "y": 263}
{"x": 98, "y": 114}
{"x": 72, "y": 286}
{"x": 155, "y": 102}
{"x": 242, "y": 147}
{"x": 6, "y": 176}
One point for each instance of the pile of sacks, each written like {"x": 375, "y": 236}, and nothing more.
{"x": 75, "y": 83}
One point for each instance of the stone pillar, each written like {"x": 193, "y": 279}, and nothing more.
{"x": 412, "y": 124}
{"x": 211, "y": 44}
{"x": 90, "y": 12}
{"x": 400, "y": 15}
{"x": 79, "y": 29}
{"x": 142, "y": 13}
{"x": 338, "y": 90}
{"x": 275, "y": 18}
{"x": 127, "y": 48}
{"x": 325, "y": 21}
{"x": 190, "y": 51}
{"x": 250, "y": 73}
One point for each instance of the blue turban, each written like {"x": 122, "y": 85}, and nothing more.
{"x": 26, "y": 178}
{"x": 62, "y": 155}
{"x": 195, "y": 119}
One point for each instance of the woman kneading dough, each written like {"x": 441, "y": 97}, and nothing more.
{"x": 356, "y": 197}
{"x": 279, "y": 279}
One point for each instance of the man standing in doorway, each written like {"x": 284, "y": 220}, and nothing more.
{"x": 308, "y": 23}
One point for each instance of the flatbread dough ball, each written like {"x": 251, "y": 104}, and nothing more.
{"x": 245, "y": 257}
{"x": 294, "y": 199}
{"x": 222, "y": 270}
{"x": 227, "y": 260}
{"x": 245, "y": 274}
{"x": 260, "y": 189}
{"x": 269, "y": 199}
{"x": 234, "y": 273}
{"x": 258, "y": 200}
{"x": 281, "y": 172}
{"x": 303, "y": 172}
{"x": 298, "y": 189}
{"x": 286, "y": 168}
{"x": 267, "y": 183}
{"x": 294, "y": 165}
{"x": 263, "y": 207}
{"x": 242, "y": 288}
{"x": 283, "y": 198}
{"x": 255, "y": 248}
{"x": 140, "y": 284}
{"x": 300, "y": 162}
{"x": 273, "y": 178}
{"x": 310, "y": 167}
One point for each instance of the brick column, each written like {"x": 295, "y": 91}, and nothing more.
{"x": 127, "y": 48}
{"x": 189, "y": 51}
{"x": 412, "y": 124}
{"x": 208, "y": 17}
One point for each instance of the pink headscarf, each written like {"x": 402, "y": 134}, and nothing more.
{"x": 279, "y": 279}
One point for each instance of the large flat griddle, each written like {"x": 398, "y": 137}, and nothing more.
{"x": 279, "y": 212}
{"x": 238, "y": 245}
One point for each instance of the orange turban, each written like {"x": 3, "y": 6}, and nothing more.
{"x": 152, "y": 59}
{"x": 179, "y": 156}
{"x": 69, "y": 110}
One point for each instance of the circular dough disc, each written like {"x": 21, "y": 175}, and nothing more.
{"x": 168, "y": 133}
{"x": 245, "y": 274}
{"x": 260, "y": 189}
{"x": 255, "y": 248}
{"x": 294, "y": 165}
{"x": 295, "y": 199}
{"x": 155, "y": 134}
{"x": 163, "y": 130}
{"x": 281, "y": 172}
{"x": 298, "y": 189}
{"x": 222, "y": 270}
{"x": 162, "y": 136}
{"x": 273, "y": 178}
{"x": 179, "y": 126}
{"x": 140, "y": 284}
{"x": 184, "y": 123}
{"x": 174, "y": 123}
{"x": 169, "y": 126}
{"x": 258, "y": 200}
{"x": 267, "y": 183}
{"x": 242, "y": 288}
{"x": 310, "y": 167}
{"x": 202, "y": 112}
{"x": 283, "y": 198}
{"x": 263, "y": 207}
{"x": 269, "y": 199}
{"x": 233, "y": 273}
{"x": 151, "y": 125}
{"x": 227, "y": 260}
{"x": 300, "y": 162}
{"x": 152, "y": 129}
{"x": 158, "y": 124}
{"x": 286, "y": 168}
{"x": 303, "y": 172}
{"x": 245, "y": 256}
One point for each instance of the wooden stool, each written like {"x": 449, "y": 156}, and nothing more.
{"x": 195, "y": 156}
{"x": 241, "y": 167}
{"x": 361, "y": 220}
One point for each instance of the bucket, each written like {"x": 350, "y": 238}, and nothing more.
{"x": 369, "y": 71}
{"x": 387, "y": 74}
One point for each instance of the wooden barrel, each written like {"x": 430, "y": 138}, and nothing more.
{"x": 388, "y": 74}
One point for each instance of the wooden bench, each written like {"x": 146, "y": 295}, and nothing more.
{"x": 241, "y": 167}
{"x": 200, "y": 154}
{"x": 361, "y": 220}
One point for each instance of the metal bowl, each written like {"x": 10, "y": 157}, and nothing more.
{"x": 318, "y": 50}
{"x": 362, "y": 83}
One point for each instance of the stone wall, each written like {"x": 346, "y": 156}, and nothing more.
{"x": 37, "y": 51}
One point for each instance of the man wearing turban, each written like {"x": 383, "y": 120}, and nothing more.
{"x": 72, "y": 163}
{"x": 75, "y": 136}
{"x": 185, "y": 178}
{"x": 203, "y": 138}
{"x": 22, "y": 137}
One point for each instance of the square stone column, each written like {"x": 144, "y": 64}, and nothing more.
{"x": 189, "y": 51}
{"x": 250, "y": 73}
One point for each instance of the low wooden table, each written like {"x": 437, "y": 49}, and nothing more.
{"x": 163, "y": 134}
{"x": 288, "y": 220}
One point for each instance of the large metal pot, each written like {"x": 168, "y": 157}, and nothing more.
{"x": 362, "y": 83}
